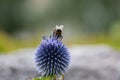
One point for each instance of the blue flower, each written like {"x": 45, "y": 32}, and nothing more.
{"x": 52, "y": 57}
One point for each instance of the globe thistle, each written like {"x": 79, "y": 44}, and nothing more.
{"x": 52, "y": 57}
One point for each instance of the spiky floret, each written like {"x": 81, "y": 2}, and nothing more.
{"x": 52, "y": 57}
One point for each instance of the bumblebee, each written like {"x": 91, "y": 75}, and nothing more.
{"x": 57, "y": 32}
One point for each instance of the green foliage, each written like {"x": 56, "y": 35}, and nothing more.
{"x": 90, "y": 16}
{"x": 11, "y": 19}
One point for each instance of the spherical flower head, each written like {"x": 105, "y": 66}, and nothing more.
{"x": 52, "y": 57}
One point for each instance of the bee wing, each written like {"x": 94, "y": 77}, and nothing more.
{"x": 59, "y": 27}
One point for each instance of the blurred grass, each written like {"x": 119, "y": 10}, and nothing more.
{"x": 9, "y": 43}
{"x": 95, "y": 40}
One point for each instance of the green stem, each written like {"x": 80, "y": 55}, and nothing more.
{"x": 54, "y": 78}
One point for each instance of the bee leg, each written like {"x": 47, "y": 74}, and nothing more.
{"x": 60, "y": 38}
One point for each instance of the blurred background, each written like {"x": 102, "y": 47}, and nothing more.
{"x": 23, "y": 22}
{"x": 91, "y": 31}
